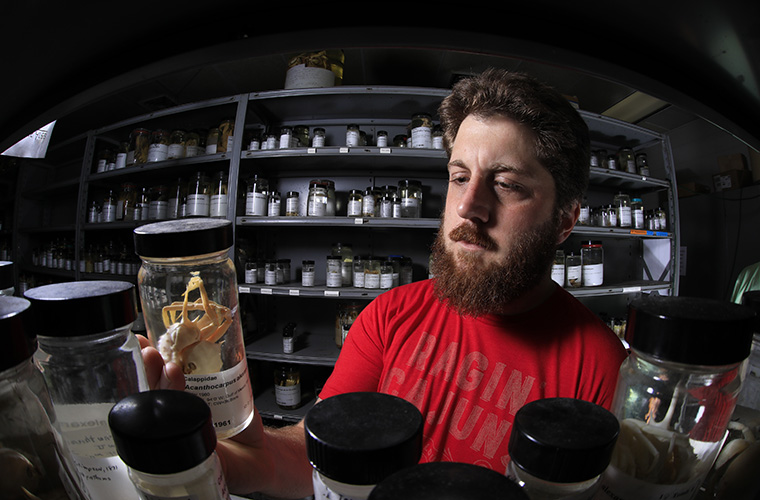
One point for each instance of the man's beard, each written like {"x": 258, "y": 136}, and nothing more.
{"x": 474, "y": 288}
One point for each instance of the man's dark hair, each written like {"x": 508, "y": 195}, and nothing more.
{"x": 562, "y": 144}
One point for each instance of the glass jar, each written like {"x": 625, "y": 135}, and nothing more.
{"x": 334, "y": 275}
{"x": 168, "y": 442}
{"x": 121, "y": 155}
{"x": 307, "y": 273}
{"x": 256, "y": 196}
{"x": 193, "y": 144}
{"x": 352, "y": 135}
{"x": 386, "y": 275}
{"x": 139, "y": 142}
{"x": 585, "y": 216}
{"x": 387, "y": 200}
{"x": 226, "y": 136}
{"x": 399, "y": 141}
{"x": 611, "y": 162}
{"x": 449, "y": 480}
{"x": 186, "y": 275}
{"x": 109, "y": 207}
{"x": 270, "y": 272}
{"x": 675, "y": 394}
{"x": 35, "y": 463}
{"x": 219, "y": 199}
{"x": 382, "y": 139}
{"x": 358, "y": 276}
{"x": 127, "y": 202}
{"x": 595, "y": 161}
{"x": 372, "y": 273}
{"x": 637, "y": 213}
{"x": 368, "y": 202}
{"x": 159, "y": 203}
{"x": 662, "y": 221}
{"x": 347, "y": 314}
{"x": 289, "y": 338}
{"x": 286, "y": 137}
{"x": 177, "y": 200}
{"x": 421, "y": 130}
{"x": 90, "y": 361}
{"x": 198, "y": 196}
{"x": 592, "y": 258}
{"x": 292, "y": 204}
{"x": 438, "y": 137}
{"x": 642, "y": 164}
{"x": 558, "y": 267}
{"x": 612, "y": 216}
{"x": 212, "y": 140}
{"x": 346, "y": 253}
{"x": 318, "y": 141}
{"x": 176, "y": 145}
{"x": 317, "y": 201}
{"x": 573, "y": 271}
{"x": 300, "y": 136}
{"x": 251, "y": 271}
{"x": 559, "y": 448}
{"x": 355, "y": 440}
{"x": 274, "y": 204}
{"x": 287, "y": 387}
{"x": 331, "y": 207}
{"x": 622, "y": 204}
{"x": 627, "y": 160}
{"x": 354, "y": 208}
{"x": 410, "y": 193}
{"x": 143, "y": 205}
{"x": 159, "y": 146}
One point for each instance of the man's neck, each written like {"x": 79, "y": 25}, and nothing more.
{"x": 532, "y": 298}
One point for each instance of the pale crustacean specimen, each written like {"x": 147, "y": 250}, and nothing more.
{"x": 193, "y": 343}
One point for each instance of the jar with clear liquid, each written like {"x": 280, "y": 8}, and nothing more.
{"x": 257, "y": 193}
{"x": 90, "y": 361}
{"x": 675, "y": 394}
{"x": 189, "y": 296}
{"x": 168, "y": 442}
{"x": 622, "y": 204}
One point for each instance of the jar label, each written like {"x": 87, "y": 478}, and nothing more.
{"x": 250, "y": 276}
{"x": 307, "y": 278}
{"x": 218, "y": 205}
{"x": 593, "y": 274}
{"x": 256, "y": 204}
{"x": 638, "y": 218}
{"x": 158, "y": 209}
{"x": 352, "y": 138}
{"x": 210, "y": 149}
{"x": 291, "y": 206}
{"x": 355, "y": 208}
{"x": 158, "y": 152}
{"x": 558, "y": 273}
{"x": 109, "y": 213}
{"x": 624, "y": 216}
{"x": 372, "y": 280}
{"x": 287, "y": 395}
{"x": 192, "y": 151}
{"x": 573, "y": 276}
{"x": 197, "y": 204}
{"x": 422, "y": 137}
{"x": 359, "y": 279}
{"x": 121, "y": 160}
{"x": 176, "y": 151}
{"x": 386, "y": 281}
{"x": 228, "y": 394}
{"x": 317, "y": 206}
{"x": 318, "y": 141}
{"x": 334, "y": 279}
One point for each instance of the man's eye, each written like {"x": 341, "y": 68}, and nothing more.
{"x": 508, "y": 186}
{"x": 458, "y": 180}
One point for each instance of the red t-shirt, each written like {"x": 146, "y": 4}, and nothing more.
{"x": 469, "y": 376}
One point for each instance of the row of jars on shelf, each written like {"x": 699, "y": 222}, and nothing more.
{"x": 624, "y": 160}
{"x": 107, "y": 258}
{"x": 360, "y": 271}
{"x": 625, "y": 212}
{"x": 575, "y": 270}
{"x": 146, "y": 146}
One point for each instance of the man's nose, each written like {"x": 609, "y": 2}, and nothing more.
{"x": 475, "y": 202}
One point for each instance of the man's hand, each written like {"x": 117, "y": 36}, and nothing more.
{"x": 160, "y": 375}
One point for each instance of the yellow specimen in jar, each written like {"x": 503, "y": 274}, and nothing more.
{"x": 193, "y": 343}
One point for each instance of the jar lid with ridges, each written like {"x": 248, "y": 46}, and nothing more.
{"x": 563, "y": 440}
{"x": 79, "y": 308}
{"x": 447, "y": 481}
{"x": 183, "y": 237}
{"x": 690, "y": 330}
{"x": 162, "y": 431}
{"x": 361, "y": 438}
{"x": 19, "y": 343}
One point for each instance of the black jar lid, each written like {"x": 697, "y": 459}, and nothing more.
{"x": 78, "y": 308}
{"x": 162, "y": 431}
{"x": 690, "y": 330}
{"x": 363, "y": 437}
{"x": 6, "y": 274}
{"x": 563, "y": 440}
{"x": 19, "y": 343}
{"x": 447, "y": 481}
{"x": 183, "y": 237}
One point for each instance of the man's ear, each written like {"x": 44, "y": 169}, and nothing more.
{"x": 567, "y": 219}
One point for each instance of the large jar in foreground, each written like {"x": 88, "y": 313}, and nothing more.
{"x": 189, "y": 296}
{"x": 675, "y": 394}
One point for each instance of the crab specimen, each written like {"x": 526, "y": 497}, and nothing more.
{"x": 193, "y": 343}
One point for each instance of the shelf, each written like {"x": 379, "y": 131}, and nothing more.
{"x": 250, "y": 220}
{"x": 175, "y": 166}
{"x": 603, "y": 177}
{"x": 312, "y": 349}
{"x": 620, "y": 288}
{"x": 48, "y": 229}
{"x": 266, "y": 405}
{"x": 619, "y": 232}
{"x": 318, "y": 291}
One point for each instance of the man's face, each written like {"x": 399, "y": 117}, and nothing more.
{"x": 500, "y": 227}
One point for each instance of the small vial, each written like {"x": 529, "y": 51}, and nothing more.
{"x": 286, "y": 137}
{"x": 592, "y": 258}
{"x": 273, "y": 204}
{"x": 558, "y": 267}
{"x": 637, "y": 213}
{"x": 573, "y": 271}
{"x": 318, "y": 141}
{"x": 368, "y": 203}
{"x": 382, "y": 139}
{"x": 372, "y": 273}
{"x": 292, "y": 204}
{"x": 437, "y": 137}
{"x": 352, "y": 135}
{"x": 334, "y": 271}
{"x": 289, "y": 338}
{"x": 270, "y": 272}
{"x": 559, "y": 448}
{"x": 251, "y": 272}
{"x": 167, "y": 440}
{"x": 358, "y": 277}
{"x": 307, "y": 273}
{"x": 622, "y": 204}
{"x": 355, "y": 203}
{"x": 356, "y": 440}
{"x": 642, "y": 164}
{"x": 287, "y": 387}
{"x": 386, "y": 275}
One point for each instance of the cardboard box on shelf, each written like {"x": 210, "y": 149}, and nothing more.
{"x": 732, "y": 179}
{"x": 736, "y": 161}
{"x": 687, "y": 189}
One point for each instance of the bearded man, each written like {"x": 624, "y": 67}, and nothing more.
{"x": 491, "y": 331}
